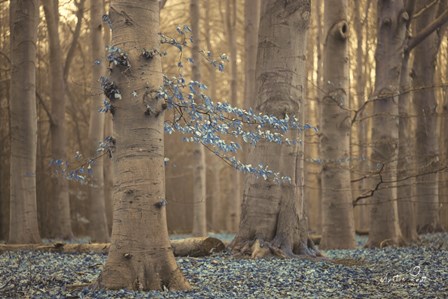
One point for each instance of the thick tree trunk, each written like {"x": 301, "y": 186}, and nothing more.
{"x": 273, "y": 216}
{"x": 384, "y": 227}
{"x": 140, "y": 257}
{"x": 199, "y": 183}
{"x": 58, "y": 224}
{"x": 338, "y": 230}
{"x": 24, "y": 18}
{"x": 427, "y": 147}
{"x": 98, "y": 229}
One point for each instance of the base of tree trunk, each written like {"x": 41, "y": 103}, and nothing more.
{"x": 397, "y": 242}
{"x": 193, "y": 247}
{"x": 430, "y": 229}
{"x": 259, "y": 248}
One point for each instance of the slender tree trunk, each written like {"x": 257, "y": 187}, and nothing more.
{"x": 405, "y": 165}
{"x": 24, "y": 18}
{"x": 273, "y": 216}
{"x": 5, "y": 137}
{"x": 59, "y": 220}
{"x": 98, "y": 229}
{"x": 338, "y": 229}
{"x": 406, "y": 158}
{"x": 108, "y": 131}
{"x": 427, "y": 147}
{"x": 235, "y": 199}
{"x": 359, "y": 141}
{"x": 199, "y": 191}
{"x": 140, "y": 256}
{"x": 384, "y": 227}
{"x": 212, "y": 161}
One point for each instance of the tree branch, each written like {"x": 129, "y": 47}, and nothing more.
{"x": 76, "y": 34}
{"x": 436, "y": 24}
{"x": 42, "y": 102}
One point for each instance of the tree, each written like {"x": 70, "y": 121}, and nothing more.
{"x": 140, "y": 256}
{"x": 24, "y": 18}
{"x": 392, "y": 19}
{"x": 199, "y": 188}
{"x": 98, "y": 228}
{"x": 235, "y": 198}
{"x": 273, "y": 218}
{"x": 58, "y": 215}
{"x": 406, "y": 144}
{"x": 425, "y": 105}
{"x": 338, "y": 229}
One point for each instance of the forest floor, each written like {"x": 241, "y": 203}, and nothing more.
{"x": 419, "y": 271}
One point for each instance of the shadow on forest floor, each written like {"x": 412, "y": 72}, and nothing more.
{"x": 417, "y": 271}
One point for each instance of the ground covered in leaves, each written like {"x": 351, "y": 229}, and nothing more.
{"x": 420, "y": 271}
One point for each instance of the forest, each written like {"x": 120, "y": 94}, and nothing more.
{"x": 223, "y": 149}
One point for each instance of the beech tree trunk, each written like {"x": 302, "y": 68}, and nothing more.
{"x": 140, "y": 256}
{"x": 273, "y": 219}
{"x": 199, "y": 187}
{"x": 384, "y": 227}
{"x": 58, "y": 224}
{"x": 338, "y": 230}
{"x": 24, "y": 18}
{"x": 233, "y": 218}
{"x": 406, "y": 157}
{"x": 98, "y": 229}
{"x": 214, "y": 164}
{"x": 360, "y": 133}
{"x": 425, "y": 104}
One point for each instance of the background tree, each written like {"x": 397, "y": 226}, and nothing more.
{"x": 98, "y": 228}
{"x": 59, "y": 221}
{"x": 140, "y": 256}
{"x": 273, "y": 218}
{"x": 392, "y": 19}
{"x": 425, "y": 107}
{"x": 199, "y": 199}
{"x": 24, "y": 18}
{"x": 338, "y": 229}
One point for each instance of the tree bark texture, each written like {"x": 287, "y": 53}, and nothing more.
{"x": 58, "y": 222}
{"x": 251, "y": 25}
{"x": 24, "y": 18}
{"x": 338, "y": 230}
{"x": 273, "y": 217}
{"x": 140, "y": 257}
{"x": 98, "y": 229}
{"x": 384, "y": 227}
{"x": 199, "y": 172}
{"x": 425, "y": 105}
